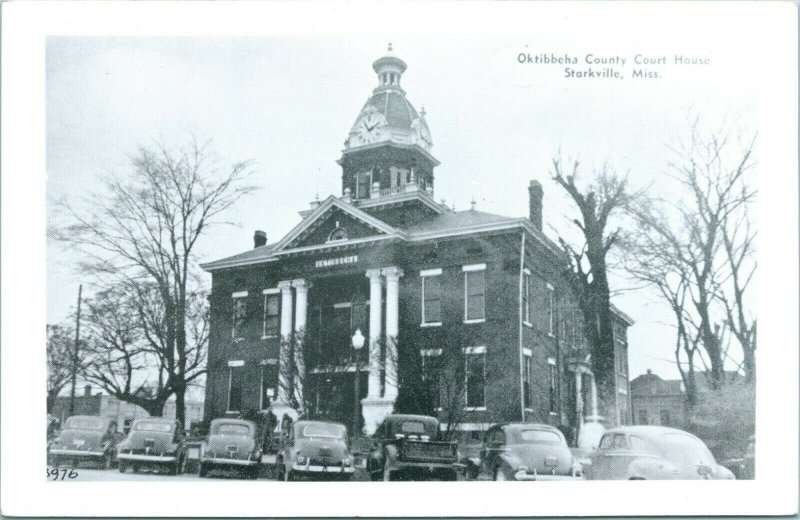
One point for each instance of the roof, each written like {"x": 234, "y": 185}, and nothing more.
{"x": 251, "y": 256}
{"x": 457, "y": 220}
{"x": 652, "y": 385}
{"x": 397, "y": 109}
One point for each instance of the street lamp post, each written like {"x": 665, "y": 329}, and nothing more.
{"x": 358, "y": 344}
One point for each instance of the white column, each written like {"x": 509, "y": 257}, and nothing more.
{"x": 375, "y": 290}
{"x": 301, "y": 304}
{"x": 393, "y": 275}
{"x": 286, "y": 332}
{"x": 579, "y": 395}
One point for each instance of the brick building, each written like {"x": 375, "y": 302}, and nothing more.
{"x": 658, "y": 401}
{"x": 460, "y": 309}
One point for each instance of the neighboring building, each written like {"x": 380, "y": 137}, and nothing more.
{"x": 99, "y": 404}
{"x": 658, "y": 401}
{"x": 193, "y": 411}
{"x": 422, "y": 282}
{"x": 123, "y": 412}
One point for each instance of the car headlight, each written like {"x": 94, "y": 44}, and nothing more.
{"x": 301, "y": 459}
{"x": 347, "y": 461}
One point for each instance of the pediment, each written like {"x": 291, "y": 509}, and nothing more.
{"x": 335, "y": 222}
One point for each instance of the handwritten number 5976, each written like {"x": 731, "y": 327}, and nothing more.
{"x": 61, "y": 473}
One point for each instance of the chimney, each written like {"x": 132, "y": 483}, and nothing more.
{"x": 259, "y": 238}
{"x": 649, "y": 371}
{"x": 87, "y": 390}
{"x": 535, "y": 195}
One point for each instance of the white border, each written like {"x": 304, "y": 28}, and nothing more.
{"x": 24, "y": 490}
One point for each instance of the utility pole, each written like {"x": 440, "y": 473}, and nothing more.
{"x": 75, "y": 354}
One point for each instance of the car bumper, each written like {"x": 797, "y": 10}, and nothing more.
{"x": 324, "y": 469}
{"x": 229, "y": 462}
{"x": 524, "y": 475}
{"x": 146, "y": 458}
{"x": 77, "y": 453}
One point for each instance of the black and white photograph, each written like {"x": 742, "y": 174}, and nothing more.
{"x": 298, "y": 253}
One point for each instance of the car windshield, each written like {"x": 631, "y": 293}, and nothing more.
{"x": 532, "y": 436}
{"x": 412, "y": 427}
{"x": 85, "y": 423}
{"x": 233, "y": 429}
{"x": 153, "y": 426}
{"x": 684, "y": 449}
{"x": 329, "y": 431}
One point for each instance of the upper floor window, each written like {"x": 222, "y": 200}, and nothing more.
{"x": 475, "y": 377}
{"x": 474, "y": 292}
{"x": 363, "y": 184}
{"x": 239, "y": 314}
{"x": 665, "y": 418}
{"x": 642, "y": 419}
{"x": 431, "y": 297}
{"x": 272, "y": 305}
{"x": 526, "y": 296}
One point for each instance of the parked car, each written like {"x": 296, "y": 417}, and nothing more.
{"x": 653, "y": 453}
{"x": 232, "y": 444}
{"x": 526, "y": 451}
{"x": 409, "y": 447}
{"x": 153, "y": 442}
{"x": 85, "y": 438}
{"x": 315, "y": 449}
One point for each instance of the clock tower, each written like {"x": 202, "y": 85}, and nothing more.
{"x": 388, "y": 149}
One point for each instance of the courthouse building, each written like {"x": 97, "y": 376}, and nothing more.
{"x": 422, "y": 283}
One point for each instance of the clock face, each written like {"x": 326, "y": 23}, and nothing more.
{"x": 369, "y": 129}
{"x": 423, "y": 134}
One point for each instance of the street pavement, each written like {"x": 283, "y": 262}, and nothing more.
{"x": 86, "y": 474}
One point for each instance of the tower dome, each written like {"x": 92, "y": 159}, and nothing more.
{"x": 388, "y": 116}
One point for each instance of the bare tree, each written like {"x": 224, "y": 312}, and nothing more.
{"x": 587, "y": 274}
{"x": 60, "y": 351}
{"x": 698, "y": 250}
{"x": 144, "y": 229}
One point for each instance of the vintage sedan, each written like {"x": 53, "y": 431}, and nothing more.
{"x": 315, "y": 449}
{"x": 232, "y": 444}
{"x": 653, "y": 453}
{"x": 153, "y": 442}
{"x": 526, "y": 451}
{"x": 85, "y": 438}
{"x": 409, "y": 447}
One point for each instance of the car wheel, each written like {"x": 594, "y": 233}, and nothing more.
{"x": 122, "y": 467}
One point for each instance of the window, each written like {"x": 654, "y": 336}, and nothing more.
{"x": 474, "y": 293}
{"x": 272, "y": 319}
{"x": 664, "y": 417}
{"x": 643, "y": 417}
{"x": 363, "y": 184}
{"x": 239, "y": 314}
{"x": 235, "y": 388}
{"x": 550, "y": 310}
{"x": 526, "y": 379}
{"x": 431, "y": 297}
{"x": 431, "y": 359}
{"x": 269, "y": 383}
{"x": 475, "y": 375}
{"x": 526, "y": 297}
{"x": 553, "y": 388}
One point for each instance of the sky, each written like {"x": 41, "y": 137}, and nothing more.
{"x": 287, "y": 104}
